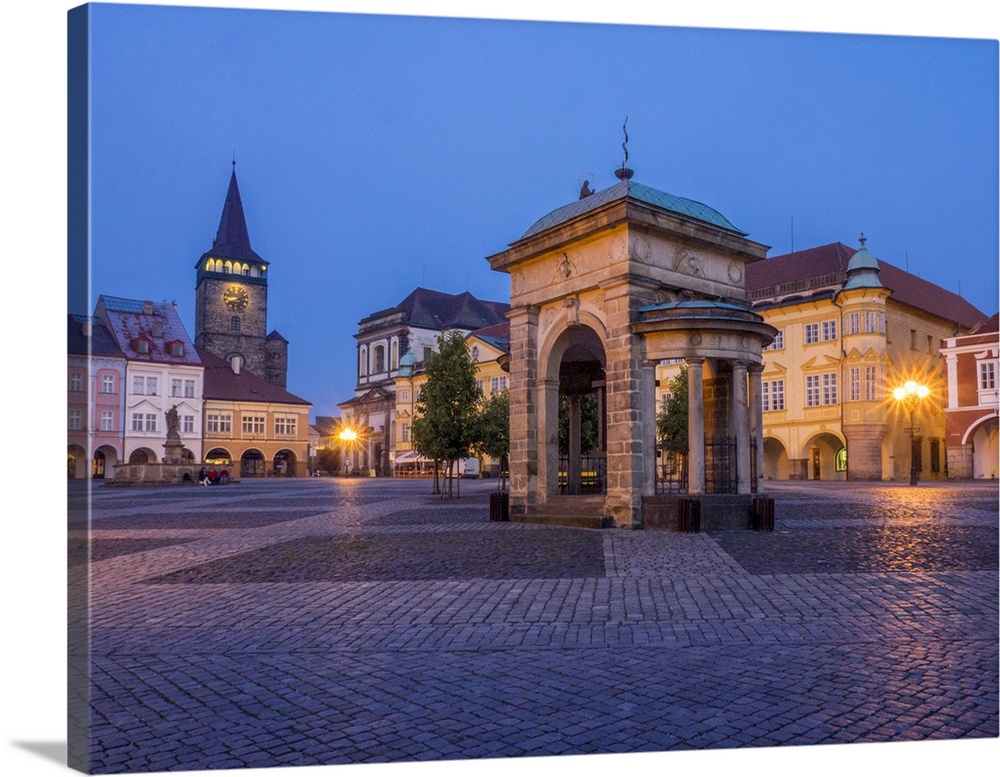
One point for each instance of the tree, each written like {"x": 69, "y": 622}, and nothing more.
{"x": 589, "y": 423}
{"x": 329, "y": 459}
{"x": 492, "y": 432}
{"x": 447, "y": 406}
{"x": 672, "y": 420}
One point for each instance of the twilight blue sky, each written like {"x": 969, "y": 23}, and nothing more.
{"x": 380, "y": 153}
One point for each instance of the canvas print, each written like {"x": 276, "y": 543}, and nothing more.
{"x": 458, "y": 390}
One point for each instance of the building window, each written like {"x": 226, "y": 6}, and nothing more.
{"x": 176, "y": 387}
{"x": 405, "y": 432}
{"x": 427, "y": 353}
{"x": 143, "y": 385}
{"x": 812, "y": 390}
{"x": 854, "y": 387}
{"x": 853, "y": 323}
{"x": 378, "y": 356}
{"x": 778, "y": 343}
{"x": 913, "y": 339}
{"x": 362, "y": 362}
{"x": 187, "y": 423}
{"x": 234, "y": 323}
{"x": 253, "y": 424}
{"x": 812, "y": 333}
{"x": 873, "y": 384}
{"x": 874, "y": 322}
{"x": 772, "y": 395}
{"x": 76, "y": 381}
{"x": 75, "y": 419}
{"x": 177, "y": 349}
{"x": 189, "y": 389}
{"x": 987, "y": 376}
{"x": 930, "y": 345}
{"x": 137, "y": 422}
{"x": 108, "y": 384}
{"x": 284, "y": 426}
{"x": 107, "y": 421}
{"x": 830, "y": 330}
{"x": 916, "y": 454}
{"x": 150, "y": 422}
{"x": 219, "y": 423}
{"x": 142, "y": 346}
{"x": 395, "y": 355}
{"x": 498, "y": 384}
{"x": 829, "y": 388}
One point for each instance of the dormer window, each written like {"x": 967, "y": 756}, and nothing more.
{"x": 142, "y": 346}
{"x": 176, "y": 348}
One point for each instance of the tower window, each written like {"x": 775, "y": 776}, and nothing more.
{"x": 379, "y": 358}
{"x": 236, "y": 362}
{"x": 234, "y": 323}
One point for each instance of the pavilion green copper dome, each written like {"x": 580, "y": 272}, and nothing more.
{"x": 681, "y": 206}
{"x": 863, "y": 269}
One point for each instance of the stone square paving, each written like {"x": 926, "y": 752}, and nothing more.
{"x": 319, "y": 621}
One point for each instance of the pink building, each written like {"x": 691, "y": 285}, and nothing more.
{"x": 971, "y": 415}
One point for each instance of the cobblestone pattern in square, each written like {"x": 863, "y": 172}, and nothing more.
{"x": 381, "y": 624}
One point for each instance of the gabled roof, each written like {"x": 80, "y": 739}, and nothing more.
{"x": 221, "y": 383}
{"x": 679, "y": 206}
{"x": 132, "y": 320}
{"x": 427, "y": 309}
{"x": 99, "y": 343}
{"x": 826, "y": 267}
{"x": 232, "y": 241}
{"x": 497, "y": 335}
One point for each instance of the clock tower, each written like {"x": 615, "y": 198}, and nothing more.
{"x": 230, "y": 312}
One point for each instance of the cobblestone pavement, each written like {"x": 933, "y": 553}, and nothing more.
{"x": 352, "y": 621}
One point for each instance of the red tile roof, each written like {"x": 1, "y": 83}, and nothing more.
{"x": 223, "y": 384}
{"x": 132, "y": 320}
{"x": 826, "y": 267}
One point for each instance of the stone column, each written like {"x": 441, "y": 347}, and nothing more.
{"x": 574, "y": 478}
{"x": 696, "y": 425}
{"x": 523, "y": 461}
{"x": 624, "y": 402}
{"x": 755, "y": 400}
{"x": 547, "y": 392}
{"x": 741, "y": 427}
{"x": 648, "y": 378}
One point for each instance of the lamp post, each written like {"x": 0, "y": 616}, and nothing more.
{"x": 347, "y": 436}
{"x": 909, "y": 395}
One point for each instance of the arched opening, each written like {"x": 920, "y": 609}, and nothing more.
{"x": 283, "y": 464}
{"x": 142, "y": 456}
{"x": 984, "y": 450}
{"x": 821, "y": 454}
{"x": 775, "y": 460}
{"x": 76, "y": 458}
{"x": 574, "y": 422}
{"x": 378, "y": 359}
{"x": 218, "y": 457}
{"x": 252, "y": 464}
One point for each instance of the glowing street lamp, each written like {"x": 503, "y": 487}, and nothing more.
{"x": 347, "y": 436}
{"x": 909, "y": 396}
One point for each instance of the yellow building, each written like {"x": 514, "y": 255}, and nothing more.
{"x": 851, "y": 330}
{"x": 252, "y": 428}
{"x": 489, "y": 348}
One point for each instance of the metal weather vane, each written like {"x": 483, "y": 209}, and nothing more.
{"x": 623, "y": 173}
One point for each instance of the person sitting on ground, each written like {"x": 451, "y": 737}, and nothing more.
{"x": 203, "y": 477}
{"x": 213, "y": 476}
{"x": 224, "y": 476}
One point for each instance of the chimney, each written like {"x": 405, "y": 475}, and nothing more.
{"x": 147, "y": 307}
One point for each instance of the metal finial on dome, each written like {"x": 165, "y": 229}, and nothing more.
{"x": 623, "y": 173}
{"x": 862, "y": 239}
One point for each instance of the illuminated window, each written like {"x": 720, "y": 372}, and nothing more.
{"x": 840, "y": 460}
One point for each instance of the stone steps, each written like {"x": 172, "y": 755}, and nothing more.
{"x": 585, "y": 512}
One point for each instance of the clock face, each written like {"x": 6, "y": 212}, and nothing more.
{"x": 236, "y": 298}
